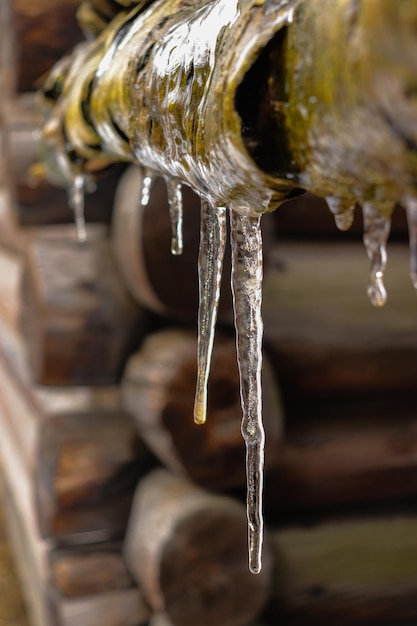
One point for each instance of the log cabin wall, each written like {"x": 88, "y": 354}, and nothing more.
{"x": 120, "y": 510}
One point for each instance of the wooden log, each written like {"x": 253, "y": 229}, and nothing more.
{"x": 344, "y": 461}
{"x": 187, "y": 549}
{"x": 141, "y": 237}
{"x": 88, "y": 570}
{"x": 121, "y": 606}
{"x": 45, "y": 30}
{"x": 158, "y": 390}
{"x": 360, "y": 571}
{"x": 91, "y": 500}
{"x": 329, "y": 347}
{"x": 86, "y": 470}
{"x": 78, "y": 321}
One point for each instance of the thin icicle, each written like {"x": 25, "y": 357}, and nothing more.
{"x": 210, "y": 264}
{"x": 175, "y": 212}
{"x": 344, "y": 212}
{"x": 76, "y": 201}
{"x": 411, "y": 208}
{"x": 145, "y": 192}
{"x": 247, "y": 298}
{"x": 376, "y": 231}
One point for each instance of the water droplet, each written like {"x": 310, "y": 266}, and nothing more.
{"x": 175, "y": 212}
{"x": 376, "y": 231}
{"x": 146, "y": 188}
{"x": 343, "y": 211}
{"x": 76, "y": 201}
{"x": 411, "y": 209}
{"x": 210, "y": 264}
{"x": 247, "y": 299}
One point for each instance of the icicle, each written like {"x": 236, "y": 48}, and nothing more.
{"x": 344, "y": 212}
{"x": 76, "y": 201}
{"x": 145, "y": 192}
{"x": 247, "y": 299}
{"x": 175, "y": 212}
{"x": 411, "y": 208}
{"x": 210, "y": 264}
{"x": 376, "y": 231}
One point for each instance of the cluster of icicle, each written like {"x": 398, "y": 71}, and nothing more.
{"x": 246, "y": 283}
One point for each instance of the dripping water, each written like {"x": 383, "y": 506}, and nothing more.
{"x": 376, "y": 231}
{"x": 146, "y": 188}
{"x": 210, "y": 264}
{"x": 76, "y": 195}
{"x": 175, "y": 213}
{"x": 343, "y": 211}
{"x": 411, "y": 209}
{"x": 247, "y": 299}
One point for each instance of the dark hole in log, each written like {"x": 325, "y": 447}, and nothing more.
{"x": 258, "y": 109}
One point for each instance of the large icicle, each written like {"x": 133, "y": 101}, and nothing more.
{"x": 376, "y": 231}
{"x": 247, "y": 298}
{"x": 210, "y": 264}
{"x": 411, "y": 208}
{"x": 175, "y": 211}
{"x": 76, "y": 201}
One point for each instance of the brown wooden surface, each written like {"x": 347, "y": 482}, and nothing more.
{"x": 358, "y": 571}
{"x": 340, "y": 460}
{"x": 45, "y": 31}
{"x": 158, "y": 390}
{"x": 86, "y": 469}
{"x": 89, "y": 570}
{"x": 327, "y": 343}
{"x": 77, "y": 319}
{"x": 187, "y": 548}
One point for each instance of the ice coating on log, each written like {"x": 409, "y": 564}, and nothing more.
{"x": 411, "y": 208}
{"x": 377, "y": 227}
{"x": 76, "y": 195}
{"x": 174, "y": 190}
{"x": 343, "y": 211}
{"x": 210, "y": 265}
{"x": 247, "y": 275}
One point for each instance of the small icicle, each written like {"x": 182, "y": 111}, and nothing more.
{"x": 76, "y": 201}
{"x": 411, "y": 209}
{"x": 376, "y": 231}
{"x": 145, "y": 192}
{"x": 247, "y": 299}
{"x": 175, "y": 212}
{"x": 210, "y": 264}
{"x": 344, "y": 212}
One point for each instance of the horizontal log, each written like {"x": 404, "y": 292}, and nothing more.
{"x": 85, "y": 472}
{"x": 88, "y": 570}
{"x": 325, "y": 340}
{"x": 158, "y": 390}
{"x": 187, "y": 549}
{"x": 77, "y": 319}
{"x": 349, "y": 572}
{"x": 45, "y": 30}
{"x": 343, "y": 461}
